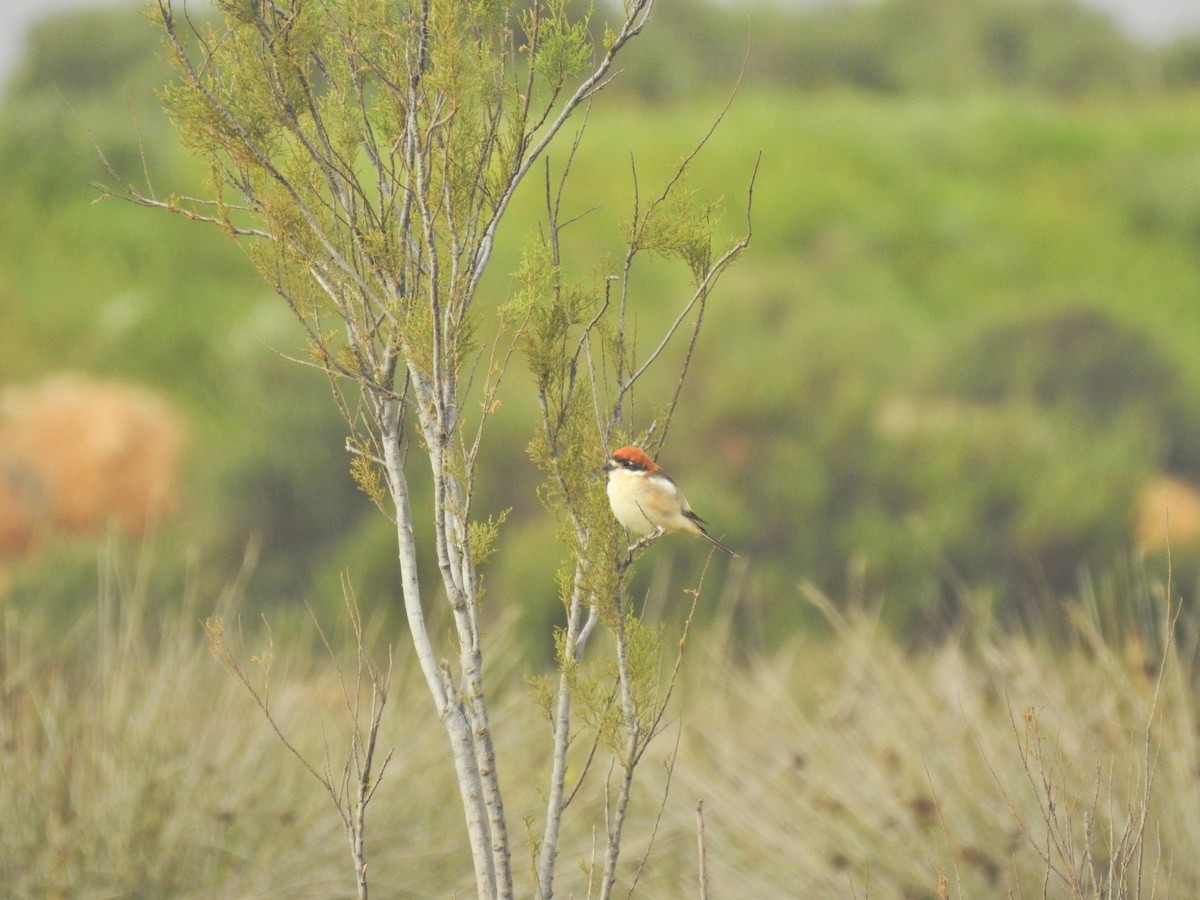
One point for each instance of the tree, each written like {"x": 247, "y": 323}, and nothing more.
{"x": 365, "y": 153}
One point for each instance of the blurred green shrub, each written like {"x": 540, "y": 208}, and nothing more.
{"x": 1180, "y": 61}
{"x": 1006, "y": 462}
{"x": 1058, "y": 47}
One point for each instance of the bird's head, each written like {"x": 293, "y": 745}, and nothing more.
{"x": 631, "y": 459}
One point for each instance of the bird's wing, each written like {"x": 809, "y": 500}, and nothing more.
{"x": 661, "y": 496}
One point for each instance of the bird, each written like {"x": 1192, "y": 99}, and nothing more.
{"x": 645, "y": 499}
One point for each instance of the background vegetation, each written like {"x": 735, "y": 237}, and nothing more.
{"x": 965, "y": 337}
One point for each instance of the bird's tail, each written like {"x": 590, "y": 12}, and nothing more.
{"x": 705, "y": 534}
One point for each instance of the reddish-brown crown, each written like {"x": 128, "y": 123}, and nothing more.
{"x": 634, "y": 458}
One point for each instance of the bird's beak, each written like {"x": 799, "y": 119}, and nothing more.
{"x": 608, "y": 466}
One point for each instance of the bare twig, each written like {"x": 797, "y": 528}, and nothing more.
{"x": 353, "y": 790}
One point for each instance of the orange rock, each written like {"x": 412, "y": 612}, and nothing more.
{"x": 77, "y": 454}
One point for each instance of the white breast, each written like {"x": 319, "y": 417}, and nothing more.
{"x": 644, "y": 502}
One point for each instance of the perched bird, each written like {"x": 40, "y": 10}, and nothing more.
{"x": 645, "y": 499}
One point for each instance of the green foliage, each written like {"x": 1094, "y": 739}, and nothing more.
{"x": 482, "y": 536}
{"x": 1078, "y": 358}
{"x": 1181, "y": 63}
{"x": 647, "y": 687}
{"x": 596, "y": 692}
{"x": 556, "y": 317}
{"x": 549, "y": 321}
{"x": 565, "y": 46}
{"x": 940, "y": 47}
{"x": 910, "y": 252}
{"x": 84, "y": 55}
{"x": 679, "y": 225}
{"x": 285, "y": 487}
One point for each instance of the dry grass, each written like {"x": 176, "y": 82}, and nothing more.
{"x": 131, "y": 764}
{"x": 1009, "y": 769}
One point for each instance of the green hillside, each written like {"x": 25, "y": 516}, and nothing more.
{"x": 966, "y": 332}
{"x": 964, "y": 336}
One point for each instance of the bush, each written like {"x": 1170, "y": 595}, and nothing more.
{"x": 1056, "y": 47}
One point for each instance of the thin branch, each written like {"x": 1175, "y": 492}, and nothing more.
{"x": 669, "y": 415}
{"x": 637, "y": 13}
{"x": 669, "y": 765}
{"x": 698, "y": 295}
